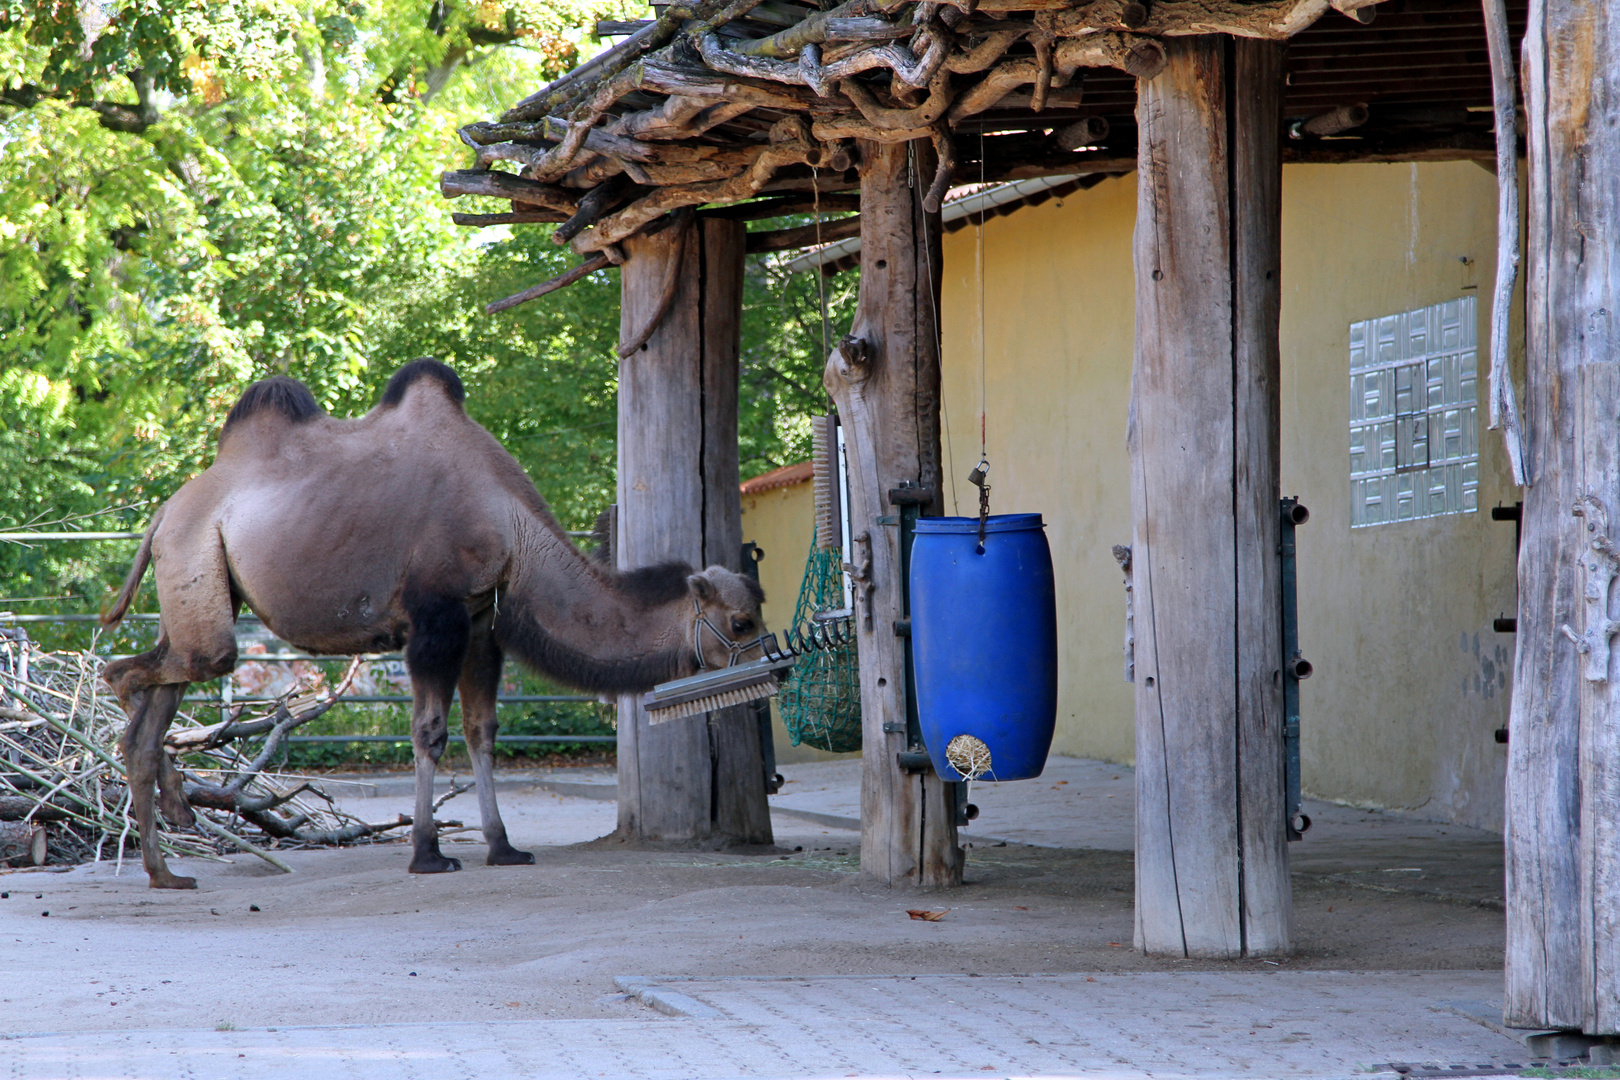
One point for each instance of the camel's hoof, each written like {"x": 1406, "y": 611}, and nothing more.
{"x": 167, "y": 880}
{"x": 510, "y": 857}
{"x": 434, "y": 863}
{"x": 178, "y": 811}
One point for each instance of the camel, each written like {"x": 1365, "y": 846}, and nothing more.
{"x": 409, "y": 526}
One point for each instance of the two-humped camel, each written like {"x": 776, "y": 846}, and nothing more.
{"x": 407, "y": 526}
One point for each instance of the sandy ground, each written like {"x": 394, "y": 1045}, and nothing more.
{"x": 350, "y": 938}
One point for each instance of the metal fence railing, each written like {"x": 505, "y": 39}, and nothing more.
{"x": 226, "y": 699}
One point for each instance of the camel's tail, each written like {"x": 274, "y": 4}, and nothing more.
{"x": 113, "y": 615}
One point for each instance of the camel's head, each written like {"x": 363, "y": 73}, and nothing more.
{"x": 727, "y": 622}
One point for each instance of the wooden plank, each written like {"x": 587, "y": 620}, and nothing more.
{"x": 1254, "y": 100}
{"x": 886, "y": 386}
{"x": 664, "y": 769}
{"x": 1571, "y": 210}
{"x": 741, "y": 813}
{"x": 1203, "y": 445}
{"x": 1180, "y": 436}
{"x": 721, "y": 334}
{"x": 691, "y": 779}
{"x": 1597, "y": 441}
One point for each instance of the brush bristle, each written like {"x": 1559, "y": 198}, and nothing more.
{"x": 723, "y": 700}
{"x": 825, "y": 474}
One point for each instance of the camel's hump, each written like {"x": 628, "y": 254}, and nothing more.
{"x": 416, "y": 370}
{"x": 278, "y": 394}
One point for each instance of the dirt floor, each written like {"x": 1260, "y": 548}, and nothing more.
{"x": 351, "y": 938}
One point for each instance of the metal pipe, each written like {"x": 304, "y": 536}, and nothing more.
{"x": 454, "y": 738}
{"x": 1295, "y": 668}
{"x": 6, "y": 616}
{"x": 366, "y": 699}
{"x": 25, "y": 537}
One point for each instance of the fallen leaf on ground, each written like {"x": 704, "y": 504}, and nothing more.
{"x": 926, "y": 916}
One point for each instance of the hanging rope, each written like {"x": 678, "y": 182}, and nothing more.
{"x": 821, "y": 278}
{"x": 978, "y": 234}
{"x": 980, "y": 475}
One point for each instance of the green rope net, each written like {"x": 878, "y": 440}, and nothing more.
{"x": 821, "y": 703}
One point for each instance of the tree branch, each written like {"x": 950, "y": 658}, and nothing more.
{"x": 117, "y": 116}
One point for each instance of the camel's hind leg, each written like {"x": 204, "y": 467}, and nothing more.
{"x": 197, "y": 642}
{"x": 480, "y": 682}
{"x": 434, "y": 655}
{"x": 146, "y": 764}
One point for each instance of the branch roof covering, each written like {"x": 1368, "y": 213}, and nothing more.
{"x": 718, "y": 103}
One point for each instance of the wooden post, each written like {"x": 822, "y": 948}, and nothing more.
{"x": 697, "y": 779}
{"x": 1211, "y": 852}
{"x": 1563, "y": 779}
{"x": 885, "y": 381}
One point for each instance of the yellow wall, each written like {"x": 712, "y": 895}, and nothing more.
{"x": 1057, "y": 373}
{"x": 781, "y": 522}
{"x": 1410, "y": 679}
{"x": 1397, "y": 617}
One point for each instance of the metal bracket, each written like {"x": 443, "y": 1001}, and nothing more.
{"x": 965, "y": 811}
{"x": 914, "y": 761}
{"x": 752, "y": 555}
{"x": 1294, "y": 666}
{"x": 909, "y": 494}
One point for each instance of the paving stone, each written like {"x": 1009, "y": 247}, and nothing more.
{"x": 1204, "y": 1025}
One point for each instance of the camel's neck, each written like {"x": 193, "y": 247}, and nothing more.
{"x": 587, "y": 626}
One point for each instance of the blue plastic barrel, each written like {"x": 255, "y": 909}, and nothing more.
{"x": 984, "y": 643}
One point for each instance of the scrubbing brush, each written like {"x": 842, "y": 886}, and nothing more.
{"x": 754, "y": 680}
{"x": 824, "y": 459}
{"x": 718, "y": 689}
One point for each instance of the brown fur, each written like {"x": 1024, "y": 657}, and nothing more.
{"x": 409, "y": 525}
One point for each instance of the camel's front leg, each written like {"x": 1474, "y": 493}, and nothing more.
{"x": 434, "y": 656}
{"x": 480, "y": 682}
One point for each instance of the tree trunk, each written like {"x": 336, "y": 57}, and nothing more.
{"x": 697, "y": 779}
{"x": 1563, "y": 780}
{"x": 886, "y": 386}
{"x": 1211, "y": 854}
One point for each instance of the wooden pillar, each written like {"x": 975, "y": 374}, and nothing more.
{"x": 885, "y": 381}
{"x": 1563, "y": 779}
{"x": 697, "y": 779}
{"x": 1211, "y": 852}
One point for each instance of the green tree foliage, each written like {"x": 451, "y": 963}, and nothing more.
{"x": 195, "y": 195}
{"x": 542, "y": 377}
{"x": 784, "y": 349}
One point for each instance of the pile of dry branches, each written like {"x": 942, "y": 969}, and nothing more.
{"x": 63, "y": 797}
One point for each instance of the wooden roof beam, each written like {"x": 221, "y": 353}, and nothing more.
{"x": 828, "y": 203}
{"x": 819, "y": 232}
{"x": 791, "y": 144}
{"x": 586, "y": 79}
{"x": 809, "y": 71}
{"x": 454, "y": 184}
{"x": 1139, "y": 56}
{"x": 1272, "y": 19}
{"x": 846, "y": 22}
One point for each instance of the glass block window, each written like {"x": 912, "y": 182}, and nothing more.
{"x": 1414, "y": 427}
